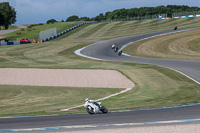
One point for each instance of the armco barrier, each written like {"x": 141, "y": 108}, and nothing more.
{"x": 12, "y": 43}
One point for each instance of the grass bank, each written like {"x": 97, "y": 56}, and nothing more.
{"x": 34, "y": 100}
{"x": 182, "y": 46}
{"x": 110, "y": 30}
{"x": 155, "y": 86}
{"x": 33, "y": 31}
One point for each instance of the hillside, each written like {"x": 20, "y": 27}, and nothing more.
{"x": 109, "y": 30}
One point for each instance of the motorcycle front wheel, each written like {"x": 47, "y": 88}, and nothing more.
{"x": 90, "y": 110}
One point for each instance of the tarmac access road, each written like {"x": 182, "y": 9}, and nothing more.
{"x": 2, "y": 32}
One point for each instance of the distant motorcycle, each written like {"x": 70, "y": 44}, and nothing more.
{"x": 116, "y": 49}
{"x": 93, "y": 107}
{"x": 120, "y": 52}
{"x": 113, "y": 46}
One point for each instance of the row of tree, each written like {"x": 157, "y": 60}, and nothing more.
{"x": 135, "y": 12}
{"x": 7, "y": 15}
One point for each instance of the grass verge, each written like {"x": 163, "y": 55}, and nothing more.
{"x": 32, "y": 32}
{"x": 33, "y": 100}
{"x": 155, "y": 86}
{"x": 182, "y": 46}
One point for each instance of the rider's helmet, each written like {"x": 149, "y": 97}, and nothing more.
{"x": 87, "y": 99}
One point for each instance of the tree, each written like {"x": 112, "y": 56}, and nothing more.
{"x": 144, "y": 11}
{"x": 1, "y": 20}
{"x": 7, "y": 14}
{"x": 85, "y": 19}
{"x": 72, "y": 18}
{"x": 51, "y": 21}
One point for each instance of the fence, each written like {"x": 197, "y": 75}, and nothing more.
{"x": 49, "y": 36}
{"x": 156, "y": 16}
{"x": 186, "y": 14}
{"x": 47, "y": 33}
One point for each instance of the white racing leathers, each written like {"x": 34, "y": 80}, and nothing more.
{"x": 93, "y": 107}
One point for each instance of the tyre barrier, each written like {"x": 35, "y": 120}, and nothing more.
{"x": 189, "y": 16}
{"x": 12, "y": 43}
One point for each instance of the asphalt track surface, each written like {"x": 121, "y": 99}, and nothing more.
{"x": 102, "y": 50}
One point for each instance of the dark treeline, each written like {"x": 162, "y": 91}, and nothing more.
{"x": 135, "y": 12}
{"x": 7, "y": 15}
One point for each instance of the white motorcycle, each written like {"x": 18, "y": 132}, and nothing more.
{"x": 93, "y": 107}
{"x": 113, "y": 46}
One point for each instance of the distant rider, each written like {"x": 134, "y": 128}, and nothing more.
{"x": 116, "y": 49}
{"x": 120, "y": 52}
{"x": 113, "y": 46}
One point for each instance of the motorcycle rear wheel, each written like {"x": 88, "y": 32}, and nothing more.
{"x": 104, "y": 110}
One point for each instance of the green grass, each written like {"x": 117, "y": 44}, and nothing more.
{"x": 32, "y": 33}
{"x": 182, "y": 46}
{"x": 29, "y": 100}
{"x": 155, "y": 86}
{"x": 110, "y": 30}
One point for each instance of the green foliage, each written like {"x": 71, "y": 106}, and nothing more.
{"x": 84, "y": 19}
{"x": 51, "y": 21}
{"x": 7, "y": 15}
{"x": 72, "y": 18}
{"x": 31, "y": 32}
{"x": 137, "y": 12}
{"x": 145, "y": 11}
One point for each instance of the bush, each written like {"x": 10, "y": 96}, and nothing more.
{"x": 19, "y": 33}
{"x": 30, "y": 26}
{"x": 29, "y": 29}
{"x": 51, "y": 21}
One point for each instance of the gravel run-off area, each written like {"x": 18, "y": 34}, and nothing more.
{"x": 64, "y": 77}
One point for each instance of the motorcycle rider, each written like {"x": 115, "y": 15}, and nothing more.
{"x": 116, "y": 49}
{"x": 120, "y": 52}
{"x": 113, "y": 46}
{"x": 91, "y": 101}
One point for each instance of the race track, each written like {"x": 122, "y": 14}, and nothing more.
{"x": 102, "y": 50}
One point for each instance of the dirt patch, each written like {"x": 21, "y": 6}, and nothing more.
{"x": 21, "y": 26}
{"x": 64, "y": 77}
{"x": 2, "y": 37}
